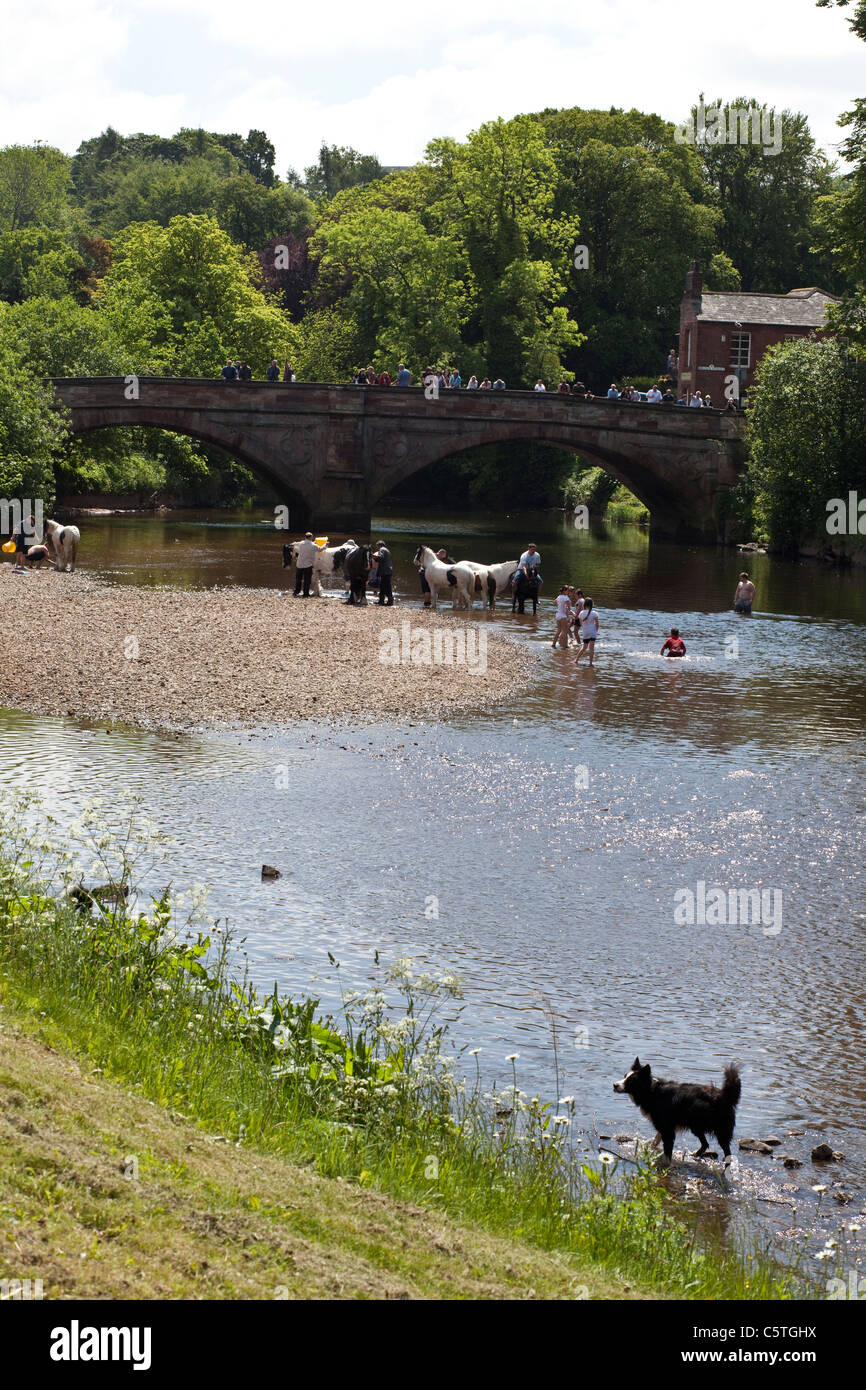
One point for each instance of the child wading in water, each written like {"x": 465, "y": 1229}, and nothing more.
{"x": 588, "y": 620}
{"x": 674, "y": 646}
{"x": 563, "y": 617}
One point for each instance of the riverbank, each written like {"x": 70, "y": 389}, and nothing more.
{"x": 225, "y": 657}
{"x": 172, "y": 1133}
{"x": 106, "y": 1195}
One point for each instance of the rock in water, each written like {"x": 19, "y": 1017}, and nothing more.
{"x": 755, "y": 1146}
{"x": 268, "y": 871}
{"x": 822, "y": 1153}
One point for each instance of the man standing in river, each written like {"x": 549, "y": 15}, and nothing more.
{"x": 744, "y": 595}
{"x": 305, "y": 554}
{"x": 385, "y": 566}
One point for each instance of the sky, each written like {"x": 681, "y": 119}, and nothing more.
{"x": 386, "y": 79}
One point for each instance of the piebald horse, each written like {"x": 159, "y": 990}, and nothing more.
{"x": 459, "y": 578}
{"x": 492, "y": 580}
{"x": 324, "y": 562}
{"x": 63, "y": 542}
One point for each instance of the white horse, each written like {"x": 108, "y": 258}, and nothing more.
{"x": 459, "y": 578}
{"x": 492, "y": 580}
{"x": 323, "y": 561}
{"x": 63, "y": 541}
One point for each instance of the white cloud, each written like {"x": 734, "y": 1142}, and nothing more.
{"x": 388, "y": 80}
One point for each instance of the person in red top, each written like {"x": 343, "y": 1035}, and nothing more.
{"x": 674, "y": 646}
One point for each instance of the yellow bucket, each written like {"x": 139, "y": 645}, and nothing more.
{"x": 9, "y": 547}
{"x": 321, "y": 541}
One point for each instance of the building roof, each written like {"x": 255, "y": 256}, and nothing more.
{"x": 804, "y": 308}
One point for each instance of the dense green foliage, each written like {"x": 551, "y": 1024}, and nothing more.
{"x": 807, "y": 424}
{"x": 170, "y": 254}
{"x": 807, "y": 419}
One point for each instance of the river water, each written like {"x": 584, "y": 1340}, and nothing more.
{"x": 545, "y": 850}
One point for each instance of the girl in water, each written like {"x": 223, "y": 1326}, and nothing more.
{"x": 563, "y": 617}
{"x": 589, "y": 625}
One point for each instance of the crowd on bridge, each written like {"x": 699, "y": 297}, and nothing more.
{"x": 437, "y": 379}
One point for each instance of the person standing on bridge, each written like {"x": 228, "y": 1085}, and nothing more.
{"x": 274, "y": 370}
{"x": 229, "y": 371}
{"x": 305, "y": 554}
{"x": 404, "y": 376}
{"x": 612, "y": 393}
{"x": 288, "y": 374}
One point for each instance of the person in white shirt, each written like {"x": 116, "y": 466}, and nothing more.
{"x": 654, "y": 395}
{"x": 589, "y": 625}
{"x": 528, "y": 564}
{"x": 305, "y": 554}
{"x": 696, "y": 400}
{"x": 539, "y": 385}
{"x": 563, "y": 617}
{"x": 612, "y": 393}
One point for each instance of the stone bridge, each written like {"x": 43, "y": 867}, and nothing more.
{"x": 331, "y": 452}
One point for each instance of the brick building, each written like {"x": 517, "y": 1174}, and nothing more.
{"x": 725, "y": 332}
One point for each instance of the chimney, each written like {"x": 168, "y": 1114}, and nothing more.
{"x": 694, "y": 282}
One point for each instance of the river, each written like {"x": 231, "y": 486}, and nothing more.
{"x": 545, "y": 849}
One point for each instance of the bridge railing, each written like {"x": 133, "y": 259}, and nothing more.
{"x": 579, "y": 401}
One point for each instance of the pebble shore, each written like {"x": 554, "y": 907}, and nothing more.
{"x": 228, "y": 657}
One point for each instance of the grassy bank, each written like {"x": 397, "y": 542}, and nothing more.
{"x": 304, "y": 1141}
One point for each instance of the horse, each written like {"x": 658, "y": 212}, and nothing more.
{"x": 459, "y": 578}
{"x": 525, "y": 587}
{"x": 492, "y": 580}
{"x": 356, "y": 561}
{"x": 323, "y": 561}
{"x": 63, "y": 540}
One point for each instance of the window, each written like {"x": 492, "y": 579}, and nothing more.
{"x": 740, "y": 349}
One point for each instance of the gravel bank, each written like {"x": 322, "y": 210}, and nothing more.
{"x": 250, "y": 657}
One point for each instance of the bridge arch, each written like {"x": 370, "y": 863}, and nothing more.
{"x": 340, "y": 448}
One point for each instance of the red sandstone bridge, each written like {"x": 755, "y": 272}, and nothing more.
{"x": 331, "y": 452}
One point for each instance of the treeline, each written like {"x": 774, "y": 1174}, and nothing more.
{"x": 141, "y": 253}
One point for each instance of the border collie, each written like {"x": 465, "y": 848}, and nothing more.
{"x": 675, "y": 1105}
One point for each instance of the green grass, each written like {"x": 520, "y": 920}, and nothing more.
{"x": 373, "y": 1100}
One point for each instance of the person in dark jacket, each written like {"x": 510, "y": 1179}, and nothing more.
{"x": 385, "y": 569}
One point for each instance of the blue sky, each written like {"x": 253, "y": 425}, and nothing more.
{"x": 387, "y": 79}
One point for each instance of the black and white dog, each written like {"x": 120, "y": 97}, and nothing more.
{"x": 676, "y": 1105}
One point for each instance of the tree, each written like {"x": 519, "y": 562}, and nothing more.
{"x": 31, "y": 430}
{"x": 33, "y": 183}
{"x": 183, "y": 298}
{"x": 767, "y": 200}
{"x": 406, "y": 286}
{"x": 253, "y": 214}
{"x": 339, "y": 167}
{"x": 843, "y": 213}
{"x": 807, "y": 433}
{"x": 496, "y": 194}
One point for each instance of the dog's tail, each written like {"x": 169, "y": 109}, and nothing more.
{"x": 732, "y": 1087}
